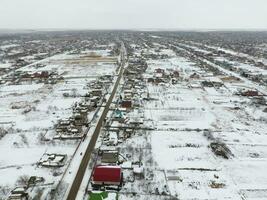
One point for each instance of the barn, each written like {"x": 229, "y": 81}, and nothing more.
{"x": 107, "y": 175}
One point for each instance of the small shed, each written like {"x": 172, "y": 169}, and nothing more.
{"x": 150, "y": 80}
{"x": 159, "y": 70}
{"x": 96, "y": 92}
{"x": 19, "y": 193}
{"x": 110, "y": 157}
{"x": 126, "y": 104}
{"x": 250, "y": 93}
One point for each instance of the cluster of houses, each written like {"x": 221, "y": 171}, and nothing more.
{"x": 256, "y": 98}
{"x": 254, "y": 75}
{"x": 212, "y": 82}
{"x": 214, "y": 56}
{"x": 72, "y": 127}
{"x": 19, "y": 193}
{"x": 75, "y": 126}
{"x": 164, "y": 76}
{"x": 21, "y": 51}
{"x": 110, "y": 164}
{"x": 22, "y": 192}
{"x": 46, "y": 77}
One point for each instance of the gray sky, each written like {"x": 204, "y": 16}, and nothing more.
{"x": 138, "y": 14}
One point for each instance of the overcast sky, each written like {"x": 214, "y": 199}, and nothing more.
{"x": 133, "y": 14}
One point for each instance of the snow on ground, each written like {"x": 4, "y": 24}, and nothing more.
{"x": 176, "y": 155}
{"x": 184, "y": 150}
{"x": 5, "y": 65}
{"x": 3, "y": 47}
{"x": 180, "y": 157}
{"x": 31, "y": 110}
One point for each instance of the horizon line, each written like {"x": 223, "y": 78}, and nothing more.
{"x": 137, "y": 29}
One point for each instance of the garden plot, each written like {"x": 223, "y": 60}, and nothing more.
{"x": 88, "y": 70}
{"x": 154, "y": 182}
{"x": 70, "y": 66}
{"x": 137, "y": 141}
{"x": 179, "y": 63}
{"x": 257, "y": 112}
{"x": 182, "y": 118}
{"x": 185, "y": 150}
{"x": 254, "y": 194}
{"x": 247, "y": 174}
{"x": 249, "y": 137}
{"x": 98, "y": 62}
{"x": 188, "y": 184}
{"x": 17, "y": 101}
{"x": 45, "y": 105}
{"x": 104, "y": 52}
{"x": 33, "y": 68}
{"x": 19, "y": 89}
{"x": 243, "y": 66}
{"x": 24, "y": 162}
{"x": 211, "y": 91}
{"x": 242, "y": 120}
{"x": 124, "y": 196}
{"x": 178, "y": 108}
{"x": 249, "y": 151}
{"x": 231, "y": 113}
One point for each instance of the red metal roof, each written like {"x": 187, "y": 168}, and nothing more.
{"x": 107, "y": 174}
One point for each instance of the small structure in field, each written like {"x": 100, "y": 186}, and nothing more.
{"x": 96, "y": 92}
{"x": 175, "y": 74}
{"x": 159, "y": 70}
{"x": 110, "y": 156}
{"x": 250, "y": 93}
{"x": 34, "y": 180}
{"x": 112, "y": 138}
{"x": 126, "y": 103}
{"x": 206, "y": 84}
{"x": 18, "y": 193}
{"x": 53, "y": 160}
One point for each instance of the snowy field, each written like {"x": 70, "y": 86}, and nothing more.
{"x": 177, "y": 157}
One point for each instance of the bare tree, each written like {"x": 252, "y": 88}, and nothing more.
{"x": 4, "y": 191}
{"x": 23, "y": 180}
{"x": 24, "y": 139}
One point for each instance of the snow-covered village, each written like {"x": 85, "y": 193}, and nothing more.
{"x": 91, "y": 115}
